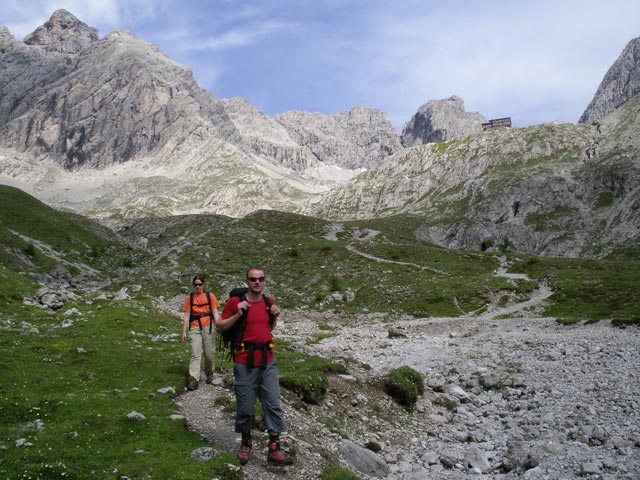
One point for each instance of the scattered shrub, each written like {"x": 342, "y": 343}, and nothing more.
{"x": 506, "y": 245}
{"x": 373, "y": 446}
{"x": 334, "y": 284}
{"x": 404, "y": 385}
{"x": 338, "y": 473}
{"x": 486, "y": 244}
{"x": 30, "y": 250}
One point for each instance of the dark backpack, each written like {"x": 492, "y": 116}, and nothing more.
{"x": 233, "y": 336}
{"x": 193, "y": 316}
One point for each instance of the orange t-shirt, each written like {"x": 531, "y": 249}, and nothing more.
{"x": 200, "y": 307}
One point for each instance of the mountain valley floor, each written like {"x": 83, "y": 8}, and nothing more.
{"x": 516, "y": 397}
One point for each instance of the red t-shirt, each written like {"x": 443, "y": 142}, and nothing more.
{"x": 257, "y": 329}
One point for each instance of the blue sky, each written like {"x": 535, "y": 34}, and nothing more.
{"x": 536, "y": 60}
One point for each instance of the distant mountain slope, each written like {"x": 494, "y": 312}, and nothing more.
{"x": 114, "y": 129}
{"x": 439, "y": 121}
{"x": 620, "y": 84}
{"x": 137, "y": 102}
{"x": 358, "y": 138}
{"x": 552, "y": 189}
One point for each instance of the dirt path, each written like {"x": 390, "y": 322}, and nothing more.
{"x": 353, "y": 249}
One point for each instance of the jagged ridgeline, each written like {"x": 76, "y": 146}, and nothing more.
{"x": 138, "y": 137}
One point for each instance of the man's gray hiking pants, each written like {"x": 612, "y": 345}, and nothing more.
{"x": 252, "y": 383}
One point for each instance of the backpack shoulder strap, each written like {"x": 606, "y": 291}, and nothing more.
{"x": 241, "y": 323}
{"x": 268, "y": 302}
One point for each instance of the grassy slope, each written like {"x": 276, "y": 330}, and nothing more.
{"x": 304, "y": 267}
{"x": 420, "y": 279}
{"x": 67, "y": 390}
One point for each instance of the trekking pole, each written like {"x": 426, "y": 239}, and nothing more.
{"x": 220, "y": 352}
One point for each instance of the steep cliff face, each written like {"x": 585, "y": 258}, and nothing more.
{"x": 266, "y": 138}
{"x": 137, "y": 102}
{"x": 620, "y": 84}
{"x": 440, "y": 121}
{"x": 356, "y": 138}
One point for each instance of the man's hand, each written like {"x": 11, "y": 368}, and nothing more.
{"x": 243, "y": 307}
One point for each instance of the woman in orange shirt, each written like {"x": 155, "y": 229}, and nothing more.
{"x": 200, "y": 312}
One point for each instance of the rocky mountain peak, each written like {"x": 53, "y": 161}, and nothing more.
{"x": 137, "y": 102}
{"x": 621, "y": 83}
{"x": 63, "y": 33}
{"x": 6, "y": 39}
{"x": 440, "y": 121}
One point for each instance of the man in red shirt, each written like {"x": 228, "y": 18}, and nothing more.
{"x": 255, "y": 367}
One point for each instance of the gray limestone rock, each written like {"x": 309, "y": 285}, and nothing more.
{"x": 358, "y": 138}
{"x": 439, "y": 121}
{"x": 63, "y": 33}
{"x": 363, "y": 460}
{"x": 620, "y": 84}
{"x": 55, "y": 102}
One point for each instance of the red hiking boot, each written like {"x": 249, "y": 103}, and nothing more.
{"x": 277, "y": 456}
{"x": 244, "y": 452}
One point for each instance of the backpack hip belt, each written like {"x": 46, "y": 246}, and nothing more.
{"x": 196, "y": 318}
{"x": 251, "y": 347}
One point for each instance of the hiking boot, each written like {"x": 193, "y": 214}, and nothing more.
{"x": 192, "y": 383}
{"x": 276, "y": 456}
{"x": 209, "y": 378}
{"x": 244, "y": 452}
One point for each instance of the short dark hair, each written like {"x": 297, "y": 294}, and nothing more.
{"x": 198, "y": 276}
{"x": 253, "y": 268}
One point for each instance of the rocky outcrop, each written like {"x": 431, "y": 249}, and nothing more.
{"x": 440, "y": 121}
{"x": 267, "y": 138}
{"x": 6, "y": 39}
{"x": 301, "y": 141}
{"x": 63, "y": 33}
{"x": 356, "y": 138}
{"x": 620, "y": 84}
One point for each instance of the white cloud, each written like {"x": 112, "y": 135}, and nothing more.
{"x": 238, "y": 37}
{"x": 496, "y": 55}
